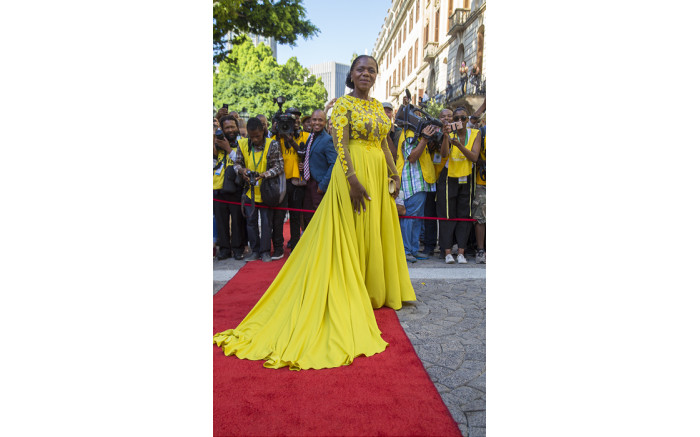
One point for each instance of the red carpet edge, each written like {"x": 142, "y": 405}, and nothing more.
{"x": 388, "y": 394}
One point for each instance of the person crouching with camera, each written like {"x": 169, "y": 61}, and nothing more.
{"x": 231, "y": 241}
{"x": 257, "y": 158}
{"x": 293, "y": 143}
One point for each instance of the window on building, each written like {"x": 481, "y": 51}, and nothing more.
{"x": 425, "y": 33}
{"x": 399, "y": 39}
{"x": 410, "y": 22}
{"x": 403, "y": 68}
{"x": 437, "y": 25}
{"x": 387, "y": 89}
{"x": 418, "y": 9}
{"x": 450, "y": 7}
{"x": 394, "y": 77}
{"x": 416, "y": 53}
{"x": 410, "y": 59}
{"x": 466, "y": 4}
{"x": 404, "y": 31}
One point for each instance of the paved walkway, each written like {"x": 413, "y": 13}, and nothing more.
{"x": 447, "y": 327}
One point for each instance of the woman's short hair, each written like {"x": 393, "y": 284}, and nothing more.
{"x": 348, "y": 80}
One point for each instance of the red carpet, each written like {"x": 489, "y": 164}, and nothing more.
{"x": 389, "y": 394}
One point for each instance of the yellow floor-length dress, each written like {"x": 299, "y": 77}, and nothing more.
{"x": 317, "y": 313}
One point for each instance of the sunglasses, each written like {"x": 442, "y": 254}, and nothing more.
{"x": 464, "y": 117}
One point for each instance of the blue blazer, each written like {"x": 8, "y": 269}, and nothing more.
{"x": 322, "y": 157}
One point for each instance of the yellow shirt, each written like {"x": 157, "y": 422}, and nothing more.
{"x": 219, "y": 171}
{"x": 425, "y": 160}
{"x": 291, "y": 159}
{"x": 255, "y": 162}
{"x": 459, "y": 165}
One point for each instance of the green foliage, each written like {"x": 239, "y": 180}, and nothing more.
{"x": 254, "y": 79}
{"x": 433, "y": 108}
{"x": 285, "y": 20}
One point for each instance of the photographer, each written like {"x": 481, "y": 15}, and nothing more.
{"x": 438, "y": 161}
{"x": 231, "y": 239}
{"x": 453, "y": 197}
{"x": 415, "y": 165}
{"x": 293, "y": 146}
{"x": 257, "y": 158}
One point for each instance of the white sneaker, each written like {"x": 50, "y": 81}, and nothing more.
{"x": 449, "y": 259}
{"x": 461, "y": 259}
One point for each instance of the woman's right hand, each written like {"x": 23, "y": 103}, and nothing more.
{"x": 358, "y": 194}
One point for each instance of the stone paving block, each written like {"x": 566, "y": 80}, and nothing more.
{"x": 439, "y": 373}
{"x": 463, "y": 376}
{"x": 467, "y": 394}
{"x": 478, "y": 383}
{"x": 473, "y": 405}
{"x": 476, "y": 432}
{"x": 476, "y": 419}
{"x": 449, "y": 359}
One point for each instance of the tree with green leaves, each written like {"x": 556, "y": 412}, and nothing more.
{"x": 255, "y": 79}
{"x": 433, "y": 108}
{"x": 284, "y": 20}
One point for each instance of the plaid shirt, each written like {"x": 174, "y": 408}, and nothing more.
{"x": 275, "y": 163}
{"x": 412, "y": 180}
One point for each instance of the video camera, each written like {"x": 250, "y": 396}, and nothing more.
{"x": 283, "y": 123}
{"x": 411, "y": 118}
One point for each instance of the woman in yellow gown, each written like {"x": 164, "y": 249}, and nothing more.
{"x": 317, "y": 313}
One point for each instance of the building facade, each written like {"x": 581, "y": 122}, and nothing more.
{"x": 333, "y": 76}
{"x": 421, "y": 47}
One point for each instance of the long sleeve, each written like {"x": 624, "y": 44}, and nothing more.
{"x": 275, "y": 162}
{"x": 238, "y": 161}
{"x": 341, "y": 135}
{"x": 391, "y": 166}
{"x": 331, "y": 157}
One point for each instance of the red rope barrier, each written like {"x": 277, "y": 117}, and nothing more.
{"x": 260, "y": 205}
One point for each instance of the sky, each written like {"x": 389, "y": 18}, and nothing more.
{"x": 344, "y": 28}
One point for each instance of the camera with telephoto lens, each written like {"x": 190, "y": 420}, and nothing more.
{"x": 282, "y": 123}
{"x": 411, "y": 118}
{"x": 253, "y": 176}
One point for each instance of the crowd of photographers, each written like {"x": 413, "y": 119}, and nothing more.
{"x": 442, "y": 163}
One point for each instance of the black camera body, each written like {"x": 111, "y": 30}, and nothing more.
{"x": 411, "y": 118}
{"x": 253, "y": 176}
{"x": 283, "y": 124}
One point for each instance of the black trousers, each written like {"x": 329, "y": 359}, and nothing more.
{"x": 277, "y": 217}
{"x": 453, "y": 201}
{"x": 295, "y": 199}
{"x": 431, "y": 226}
{"x": 232, "y": 237}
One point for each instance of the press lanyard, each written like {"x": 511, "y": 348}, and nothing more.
{"x": 252, "y": 151}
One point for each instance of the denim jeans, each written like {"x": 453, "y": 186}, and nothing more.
{"x": 259, "y": 238}
{"x": 410, "y": 228}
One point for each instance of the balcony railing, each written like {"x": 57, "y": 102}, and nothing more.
{"x": 457, "y": 21}
{"x": 473, "y": 85}
{"x": 430, "y": 51}
{"x": 395, "y": 90}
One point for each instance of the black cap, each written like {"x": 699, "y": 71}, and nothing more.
{"x": 293, "y": 111}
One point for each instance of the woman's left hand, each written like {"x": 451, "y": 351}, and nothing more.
{"x": 395, "y": 194}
